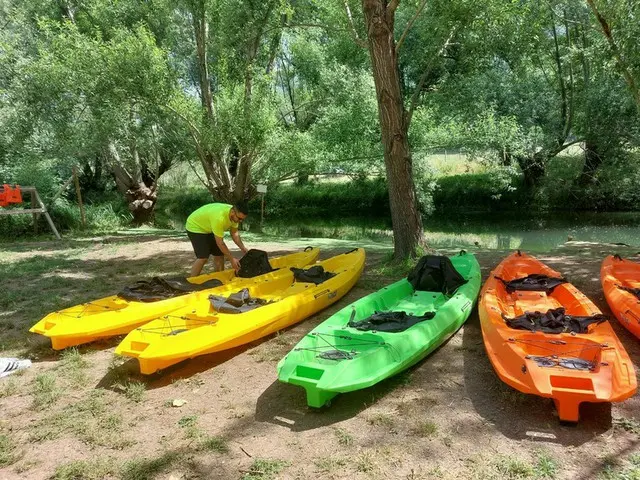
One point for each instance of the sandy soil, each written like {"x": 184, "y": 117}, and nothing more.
{"x": 448, "y": 417}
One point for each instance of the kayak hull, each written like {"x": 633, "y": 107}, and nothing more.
{"x": 540, "y": 363}
{"x": 199, "y": 330}
{"x": 368, "y": 357}
{"x": 111, "y": 316}
{"x": 625, "y": 305}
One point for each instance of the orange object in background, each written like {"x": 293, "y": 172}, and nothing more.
{"x": 10, "y": 195}
{"x": 570, "y": 368}
{"x": 616, "y": 272}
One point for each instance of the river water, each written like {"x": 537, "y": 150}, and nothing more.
{"x": 538, "y": 233}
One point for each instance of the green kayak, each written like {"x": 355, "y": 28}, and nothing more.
{"x": 385, "y": 332}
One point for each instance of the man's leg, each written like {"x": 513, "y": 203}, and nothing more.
{"x": 218, "y": 263}
{"x": 197, "y": 266}
{"x": 201, "y": 246}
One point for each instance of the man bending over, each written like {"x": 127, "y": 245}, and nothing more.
{"x": 206, "y": 227}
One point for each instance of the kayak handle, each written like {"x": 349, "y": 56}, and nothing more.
{"x": 308, "y": 248}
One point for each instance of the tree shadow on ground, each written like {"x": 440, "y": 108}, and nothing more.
{"x": 99, "y": 239}
{"x": 285, "y": 404}
{"x": 61, "y": 282}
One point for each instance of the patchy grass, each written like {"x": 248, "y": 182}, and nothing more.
{"x": 513, "y": 468}
{"x": 189, "y": 423}
{"x": 96, "y": 469}
{"x": 134, "y": 391}
{"x": 214, "y": 444}
{"x": 364, "y": 462}
{"x": 344, "y": 438}
{"x": 44, "y": 390}
{"x": 262, "y": 469}
{"x": 73, "y": 366}
{"x": 627, "y": 424}
{"x": 546, "y": 466}
{"x": 617, "y": 469}
{"x": 7, "y": 450}
{"x": 381, "y": 420}
{"x": 329, "y": 464}
{"x": 147, "y": 469}
{"x": 89, "y": 420}
{"x": 425, "y": 429}
{"x": 26, "y": 466}
{"x": 9, "y": 388}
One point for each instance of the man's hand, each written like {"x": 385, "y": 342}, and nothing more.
{"x": 235, "y": 264}
{"x": 244, "y": 250}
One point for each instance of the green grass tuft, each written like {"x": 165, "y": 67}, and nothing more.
{"x": 8, "y": 388}
{"x": 546, "y": 466}
{"x": 381, "y": 420}
{"x": 86, "y": 470}
{"x": 7, "y": 450}
{"x": 135, "y": 391}
{"x": 265, "y": 469}
{"x": 513, "y": 468}
{"x": 344, "y": 438}
{"x": 425, "y": 429}
{"x": 148, "y": 469}
{"x": 329, "y": 464}
{"x": 214, "y": 444}
{"x": 44, "y": 390}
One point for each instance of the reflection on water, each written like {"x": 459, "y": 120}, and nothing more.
{"x": 535, "y": 233}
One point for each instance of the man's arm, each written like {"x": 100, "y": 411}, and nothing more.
{"x": 235, "y": 235}
{"x": 225, "y": 251}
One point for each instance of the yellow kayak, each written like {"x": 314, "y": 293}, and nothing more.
{"x": 115, "y": 315}
{"x": 222, "y": 321}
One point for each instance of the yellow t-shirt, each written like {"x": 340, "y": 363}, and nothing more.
{"x": 211, "y": 218}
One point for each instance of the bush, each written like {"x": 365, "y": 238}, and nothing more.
{"x": 358, "y": 197}
{"x": 480, "y": 192}
{"x": 174, "y": 206}
{"x": 107, "y": 215}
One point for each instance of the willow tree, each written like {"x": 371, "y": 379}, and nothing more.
{"x": 622, "y": 41}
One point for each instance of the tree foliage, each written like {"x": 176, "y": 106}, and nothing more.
{"x": 243, "y": 91}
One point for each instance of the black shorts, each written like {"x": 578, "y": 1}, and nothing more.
{"x": 204, "y": 244}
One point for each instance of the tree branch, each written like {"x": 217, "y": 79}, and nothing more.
{"x": 423, "y": 78}
{"x": 354, "y": 33}
{"x": 392, "y": 7}
{"x": 409, "y": 25}
{"x": 626, "y": 73}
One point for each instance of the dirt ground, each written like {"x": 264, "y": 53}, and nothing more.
{"x": 86, "y": 414}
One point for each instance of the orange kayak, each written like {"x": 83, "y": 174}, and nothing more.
{"x": 545, "y": 337}
{"x": 620, "y": 278}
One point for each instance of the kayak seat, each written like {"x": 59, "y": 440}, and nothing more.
{"x": 315, "y": 274}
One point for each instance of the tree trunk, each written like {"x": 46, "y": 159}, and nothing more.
{"x": 142, "y": 202}
{"x": 592, "y": 161}
{"x": 533, "y": 169}
{"x": 405, "y": 218}
{"x": 141, "y": 199}
{"x": 201, "y": 34}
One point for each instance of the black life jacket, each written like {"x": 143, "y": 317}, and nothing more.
{"x": 635, "y": 291}
{"x": 435, "y": 273}
{"x": 553, "y": 321}
{"x": 392, "y": 322}
{"x": 315, "y": 274}
{"x": 254, "y": 263}
{"x": 535, "y": 282}
{"x": 158, "y": 289}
